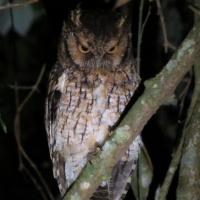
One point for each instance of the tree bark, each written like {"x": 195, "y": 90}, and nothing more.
{"x": 189, "y": 174}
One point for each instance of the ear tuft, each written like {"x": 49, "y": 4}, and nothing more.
{"x": 75, "y": 17}
{"x": 121, "y": 21}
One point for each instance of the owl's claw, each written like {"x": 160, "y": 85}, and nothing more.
{"x": 91, "y": 163}
{"x": 99, "y": 147}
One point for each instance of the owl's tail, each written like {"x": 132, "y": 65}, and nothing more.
{"x": 119, "y": 184}
{"x": 101, "y": 193}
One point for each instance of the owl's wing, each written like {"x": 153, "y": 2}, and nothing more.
{"x": 51, "y": 115}
{"x": 123, "y": 170}
{"x": 101, "y": 193}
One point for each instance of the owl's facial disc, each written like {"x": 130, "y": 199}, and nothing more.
{"x": 99, "y": 54}
{"x": 88, "y": 50}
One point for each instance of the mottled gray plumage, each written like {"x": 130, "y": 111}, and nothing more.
{"x": 90, "y": 85}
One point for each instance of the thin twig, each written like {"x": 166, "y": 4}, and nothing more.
{"x": 21, "y": 87}
{"x": 35, "y": 183}
{"x": 21, "y": 150}
{"x": 145, "y": 21}
{"x": 34, "y": 88}
{"x": 182, "y": 96}
{"x": 147, "y": 156}
{"x": 167, "y": 44}
{"x": 17, "y": 128}
{"x": 194, "y": 9}
{"x": 13, "y": 5}
{"x": 139, "y": 35}
{"x": 17, "y": 135}
{"x": 32, "y": 164}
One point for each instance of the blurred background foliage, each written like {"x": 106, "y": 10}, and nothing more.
{"x": 28, "y": 39}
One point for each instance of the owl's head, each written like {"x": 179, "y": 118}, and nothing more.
{"x": 98, "y": 40}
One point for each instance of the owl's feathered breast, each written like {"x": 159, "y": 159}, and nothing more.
{"x": 81, "y": 109}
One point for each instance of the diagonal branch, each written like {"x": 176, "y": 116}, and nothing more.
{"x": 158, "y": 90}
{"x": 189, "y": 172}
{"x": 13, "y": 5}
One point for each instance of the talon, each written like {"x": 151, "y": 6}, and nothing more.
{"x": 91, "y": 163}
{"x": 99, "y": 147}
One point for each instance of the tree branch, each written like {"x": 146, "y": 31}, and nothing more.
{"x": 158, "y": 90}
{"x": 13, "y": 5}
{"x": 188, "y": 187}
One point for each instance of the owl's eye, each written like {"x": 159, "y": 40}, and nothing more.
{"x": 113, "y": 50}
{"x": 83, "y": 49}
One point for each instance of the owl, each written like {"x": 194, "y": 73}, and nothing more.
{"x": 90, "y": 85}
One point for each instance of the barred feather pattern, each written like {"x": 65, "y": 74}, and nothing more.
{"x": 118, "y": 185}
{"x": 86, "y": 96}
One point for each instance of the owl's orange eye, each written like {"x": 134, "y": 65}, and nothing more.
{"x": 83, "y": 49}
{"x": 113, "y": 50}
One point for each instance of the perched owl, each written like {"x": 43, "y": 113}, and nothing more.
{"x": 89, "y": 87}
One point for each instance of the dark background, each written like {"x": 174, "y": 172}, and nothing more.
{"x": 32, "y": 41}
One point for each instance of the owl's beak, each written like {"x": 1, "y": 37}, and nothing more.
{"x": 98, "y": 60}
